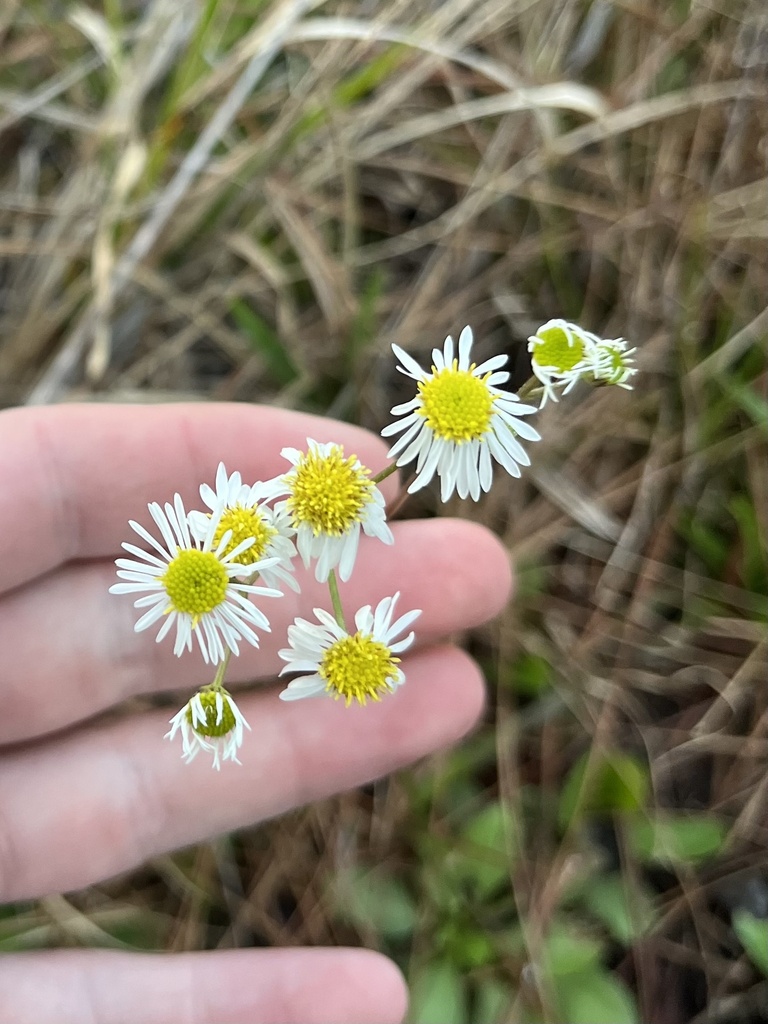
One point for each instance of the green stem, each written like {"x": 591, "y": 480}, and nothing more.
{"x": 221, "y": 671}
{"x": 338, "y": 611}
{"x": 531, "y": 385}
{"x": 384, "y": 473}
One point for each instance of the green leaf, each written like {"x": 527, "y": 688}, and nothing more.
{"x": 569, "y": 950}
{"x": 603, "y": 782}
{"x": 468, "y": 947}
{"x": 492, "y": 1002}
{"x": 754, "y": 560}
{"x": 489, "y": 843}
{"x": 753, "y": 935}
{"x": 373, "y": 900}
{"x": 626, "y": 914}
{"x": 473, "y": 947}
{"x": 595, "y": 997}
{"x": 363, "y": 328}
{"x": 438, "y": 996}
{"x": 265, "y": 341}
{"x": 493, "y": 828}
{"x": 530, "y": 675}
{"x": 709, "y": 544}
{"x": 676, "y": 838}
{"x": 752, "y": 402}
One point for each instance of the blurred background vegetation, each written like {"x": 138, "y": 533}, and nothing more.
{"x": 249, "y": 200}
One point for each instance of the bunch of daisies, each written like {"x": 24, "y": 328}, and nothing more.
{"x": 206, "y": 576}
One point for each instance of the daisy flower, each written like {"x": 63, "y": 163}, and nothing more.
{"x": 212, "y": 722}
{"x": 330, "y": 499}
{"x": 459, "y": 421}
{"x": 244, "y": 512}
{"x": 358, "y": 666}
{"x": 561, "y": 353}
{"x": 193, "y": 584}
{"x": 613, "y": 363}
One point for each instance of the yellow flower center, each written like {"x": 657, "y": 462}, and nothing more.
{"x": 552, "y": 350}
{"x": 456, "y": 405}
{"x": 210, "y": 727}
{"x": 328, "y": 493}
{"x": 195, "y": 582}
{"x": 357, "y": 668}
{"x": 244, "y": 524}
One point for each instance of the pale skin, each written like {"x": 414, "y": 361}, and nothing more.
{"x": 84, "y": 795}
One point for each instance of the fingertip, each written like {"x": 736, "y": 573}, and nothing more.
{"x": 468, "y": 563}
{"x": 464, "y": 677}
{"x": 490, "y": 564}
{"x": 378, "y": 984}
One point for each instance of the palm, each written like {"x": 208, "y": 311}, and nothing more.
{"x": 81, "y": 800}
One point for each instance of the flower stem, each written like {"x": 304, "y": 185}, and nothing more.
{"x": 221, "y": 671}
{"x": 400, "y": 498}
{"x": 338, "y": 611}
{"x": 384, "y": 473}
{"x": 529, "y": 387}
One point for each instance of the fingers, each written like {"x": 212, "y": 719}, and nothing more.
{"x": 280, "y": 986}
{"x": 106, "y": 798}
{"x": 71, "y": 651}
{"x": 80, "y": 472}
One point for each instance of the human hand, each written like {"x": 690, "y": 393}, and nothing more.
{"x": 83, "y": 799}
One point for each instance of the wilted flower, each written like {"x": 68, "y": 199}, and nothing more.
{"x": 210, "y": 721}
{"x": 561, "y": 353}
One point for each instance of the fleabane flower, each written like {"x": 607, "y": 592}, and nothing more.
{"x": 330, "y": 500}
{"x": 561, "y": 353}
{"x": 613, "y": 363}
{"x": 244, "y": 512}
{"x": 358, "y": 666}
{"x": 212, "y": 722}
{"x": 459, "y": 421}
{"x": 193, "y": 584}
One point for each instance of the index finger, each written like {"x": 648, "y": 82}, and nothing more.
{"x": 74, "y": 474}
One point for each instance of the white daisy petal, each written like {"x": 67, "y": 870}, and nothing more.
{"x": 397, "y": 426}
{"x": 492, "y": 364}
{"x": 412, "y": 368}
{"x": 145, "y": 535}
{"x": 401, "y": 624}
{"x": 485, "y": 470}
{"x": 161, "y": 521}
{"x": 400, "y": 410}
{"x": 148, "y": 618}
{"x": 146, "y": 556}
{"x": 295, "y": 691}
{"x": 500, "y": 377}
{"x": 465, "y": 345}
{"x": 448, "y": 352}
{"x": 166, "y": 627}
{"x": 402, "y": 645}
{"x": 151, "y": 599}
{"x": 502, "y": 456}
